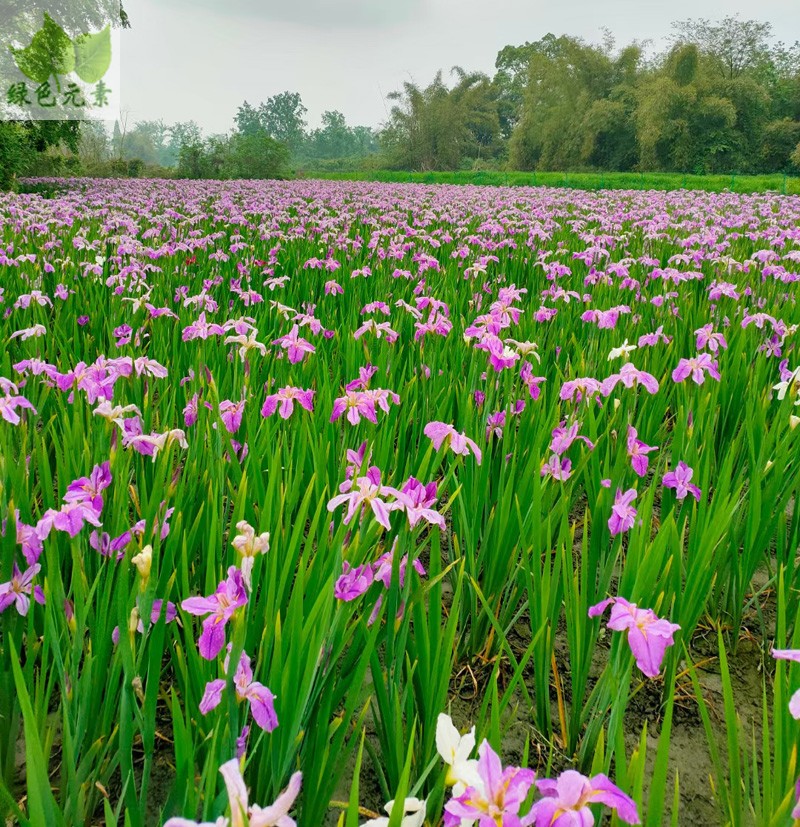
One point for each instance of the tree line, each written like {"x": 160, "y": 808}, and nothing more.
{"x": 269, "y": 140}
{"x": 722, "y": 97}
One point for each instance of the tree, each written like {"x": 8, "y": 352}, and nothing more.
{"x": 283, "y": 118}
{"x": 179, "y": 134}
{"x": 781, "y": 138}
{"x": 332, "y": 140}
{"x": 510, "y": 80}
{"x": 94, "y": 147}
{"x": 206, "y": 158}
{"x": 255, "y": 156}
{"x": 565, "y": 78}
{"x": 736, "y": 45}
{"x": 16, "y": 151}
{"x": 22, "y": 140}
{"x": 442, "y": 128}
{"x": 147, "y": 141}
{"x": 248, "y": 120}
{"x": 796, "y": 157}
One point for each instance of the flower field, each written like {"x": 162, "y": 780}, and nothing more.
{"x": 316, "y": 496}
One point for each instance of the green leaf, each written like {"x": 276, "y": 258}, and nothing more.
{"x": 50, "y": 53}
{"x": 41, "y": 804}
{"x": 93, "y": 55}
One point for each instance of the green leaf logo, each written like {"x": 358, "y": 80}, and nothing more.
{"x": 93, "y": 55}
{"x": 51, "y": 52}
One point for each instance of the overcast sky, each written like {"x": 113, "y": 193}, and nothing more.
{"x": 199, "y": 59}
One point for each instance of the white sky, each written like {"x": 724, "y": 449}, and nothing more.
{"x": 199, "y": 59}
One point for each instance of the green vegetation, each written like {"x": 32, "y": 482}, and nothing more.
{"x": 723, "y": 99}
{"x": 583, "y": 180}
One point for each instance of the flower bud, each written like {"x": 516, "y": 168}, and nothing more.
{"x": 143, "y": 561}
{"x": 133, "y": 621}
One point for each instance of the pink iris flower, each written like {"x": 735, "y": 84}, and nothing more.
{"x": 382, "y": 398}
{"x": 696, "y": 367}
{"x": 296, "y": 347}
{"x": 648, "y": 635}
{"x": 364, "y": 376}
{"x": 379, "y": 329}
{"x": 623, "y": 514}
{"x": 287, "y": 397}
{"x": 220, "y": 606}
{"x": 382, "y": 568}
{"x": 638, "y": 451}
{"x": 31, "y": 538}
{"x": 577, "y": 390}
{"x": 106, "y": 546}
{"x": 90, "y": 489}
{"x": 231, "y": 414}
{"x": 566, "y": 801}
{"x": 201, "y": 329}
{"x": 260, "y": 698}
{"x": 459, "y": 443}
{"x": 243, "y": 813}
{"x": 630, "y": 377}
{"x": 191, "y": 411}
{"x": 368, "y": 491}
{"x": 170, "y": 613}
{"x": 357, "y": 404}
{"x": 680, "y": 480}
{"x": 652, "y": 339}
{"x": 9, "y": 405}
{"x": 355, "y": 462}
{"x": 530, "y": 381}
{"x": 71, "y": 517}
{"x": 557, "y": 468}
{"x": 706, "y": 337}
{"x": 353, "y": 582}
{"x": 495, "y": 424}
{"x": 498, "y": 797}
{"x": 20, "y": 588}
{"x": 564, "y": 436}
{"x": 420, "y": 499}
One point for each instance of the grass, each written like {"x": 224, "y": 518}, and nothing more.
{"x": 664, "y": 181}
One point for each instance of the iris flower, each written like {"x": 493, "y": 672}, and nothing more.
{"x": 285, "y": 398}
{"x": 680, "y": 480}
{"x": 220, "y": 608}
{"x": 696, "y": 367}
{"x": 623, "y": 514}
{"x": 496, "y": 796}
{"x": 243, "y": 814}
{"x": 368, "y": 491}
{"x": 20, "y": 589}
{"x": 455, "y": 750}
{"x": 648, "y": 635}
{"x": 638, "y": 451}
{"x": 260, "y": 698}
{"x": 566, "y": 801}
{"x": 459, "y": 443}
{"x": 296, "y": 347}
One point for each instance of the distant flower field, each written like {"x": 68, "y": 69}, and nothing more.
{"x": 367, "y": 503}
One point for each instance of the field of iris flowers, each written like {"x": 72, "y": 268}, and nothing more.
{"x": 321, "y": 495}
